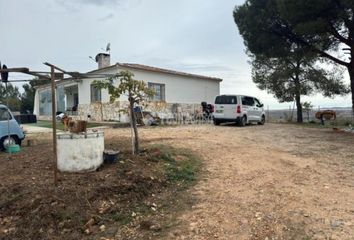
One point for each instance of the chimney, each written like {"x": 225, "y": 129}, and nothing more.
{"x": 103, "y": 60}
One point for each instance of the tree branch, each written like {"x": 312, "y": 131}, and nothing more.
{"x": 347, "y": 22}
{"x": 337, "y": 35}
{"x": 301, "y": 41}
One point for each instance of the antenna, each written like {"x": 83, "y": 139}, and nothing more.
{"x": 92, "y": 58}
{"x": 108, "y": 48}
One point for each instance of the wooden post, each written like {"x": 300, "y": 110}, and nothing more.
{"x": 54, "y": 123}
{"x": 268, "y": 120}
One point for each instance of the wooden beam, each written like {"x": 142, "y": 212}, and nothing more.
{"x": 54, "y": 123}
{"x": 23, "y": 80}
{"x": 72, "y": 74}
{"x": 55, "y": 67}
{"x": 21, "y": 70}
{"x": 75, "y": 74}
{"x": 39, "y": 75}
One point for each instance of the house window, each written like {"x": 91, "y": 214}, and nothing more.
{"x": 95, "y": 94}
{"x": 45, "y": 102}
{"x": 159, "y": 91}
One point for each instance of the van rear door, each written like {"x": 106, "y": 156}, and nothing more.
{"x": 225, "y": 107}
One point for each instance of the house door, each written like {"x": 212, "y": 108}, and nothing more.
{"x": 75, "y": 102}
{"x": 76, "y": 99}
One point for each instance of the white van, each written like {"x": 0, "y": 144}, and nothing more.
{"x": 238, "y": 108}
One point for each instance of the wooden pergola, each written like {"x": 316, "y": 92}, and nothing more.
{"x": 55, "y": 74}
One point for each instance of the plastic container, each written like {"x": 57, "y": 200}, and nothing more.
{"x": 110, "y": 156}
{"x": 13, "y": 148}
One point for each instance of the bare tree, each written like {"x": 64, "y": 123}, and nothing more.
{"x": 136, "y": 91}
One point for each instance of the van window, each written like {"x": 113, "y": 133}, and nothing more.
{"x": 248, "y": 101}
{"x": 4, "y": 114}
{"x": 258, "y": 103}
{"x": 226, "y": 100}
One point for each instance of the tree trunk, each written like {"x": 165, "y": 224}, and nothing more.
{"x": 298, "y": 101}
{"x": 135, "y": 128}
{"x": 308, "y": 115}
{"x": 351, "y": 75}
{"x": 298, "y": 109}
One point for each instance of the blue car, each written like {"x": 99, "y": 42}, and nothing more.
{"x": 10, "y": 130}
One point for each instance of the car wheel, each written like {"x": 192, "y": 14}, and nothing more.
{"x": 262, "y": 122}
{"x": 243, "y": 121}
{"x": 5, "y": 141}
{"x": 216, "y": 122}
{"x": 2, "y": 148}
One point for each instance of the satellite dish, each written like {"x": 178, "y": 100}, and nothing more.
{"x": 108, "y": 48}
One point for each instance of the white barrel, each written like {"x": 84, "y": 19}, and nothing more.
{"x": 80, "y": 152}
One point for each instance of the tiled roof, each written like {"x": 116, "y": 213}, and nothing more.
{"x": 162, "y": 70}
{"x": 142, "y": 67}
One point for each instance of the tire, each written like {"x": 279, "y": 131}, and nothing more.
{"x": 18, "y": 142}
{"x": 14, "y": 139}
{"x": 216, "y": 122}
{"x": 262, "y": 122}
{"x": 2, "y": 148}
{"x": 243, "y": 121}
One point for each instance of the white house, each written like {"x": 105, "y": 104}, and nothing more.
{"x": 175, "y": 91}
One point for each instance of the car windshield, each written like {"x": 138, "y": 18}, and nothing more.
{"x": 4, "y": 114}
{"x": 226, "y": 100}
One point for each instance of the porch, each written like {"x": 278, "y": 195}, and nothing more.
{"x": 67, "y": 97}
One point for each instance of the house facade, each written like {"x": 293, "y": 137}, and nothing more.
{"x": 176, "y": 92}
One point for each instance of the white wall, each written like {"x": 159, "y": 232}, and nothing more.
{"x": 181, "y": 89}
{"x": 178, "y": 89}
{"x": 85, "y": 87}
{"x": 85, "y": 92}
{"x": 36, "y": 103}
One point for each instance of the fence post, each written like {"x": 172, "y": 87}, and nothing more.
{"x": 268, "y": 113}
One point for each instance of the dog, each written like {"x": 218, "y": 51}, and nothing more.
{"x": 67, "y": 121}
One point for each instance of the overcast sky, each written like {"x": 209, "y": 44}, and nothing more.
{"x": 196, "y": 36}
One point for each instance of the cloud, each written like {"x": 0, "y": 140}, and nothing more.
{"x": 107, "y": 17}
{"x": 99, "y": 2}
{"x": 75, "y": 5}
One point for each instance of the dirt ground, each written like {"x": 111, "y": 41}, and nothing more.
{"x": 138, "y": 197}
{"x": 268, "y": 182}
{"x": 261, "y": 182}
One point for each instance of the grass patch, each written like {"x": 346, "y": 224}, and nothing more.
{"x": 122, "y": 218}
{"x": 178, "y": 165}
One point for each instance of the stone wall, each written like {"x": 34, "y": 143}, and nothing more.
{"x": 117, "y": 111}
{"x": 102, "y": 111}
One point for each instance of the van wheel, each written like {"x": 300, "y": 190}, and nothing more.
{"x": 262, "y": 122}
{"x": 216, "y": 122}
{"x": 243, "y": 121}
